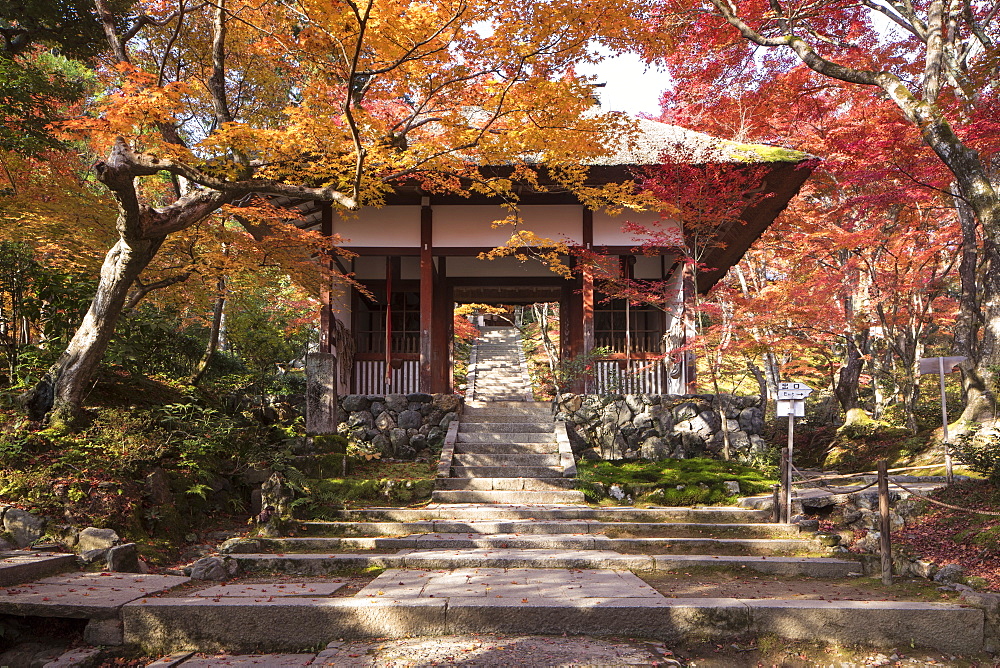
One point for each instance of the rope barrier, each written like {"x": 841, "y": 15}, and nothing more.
{"x": 846, "y": 490}
{"x": 865, "y": 473}
{"x": 947, "y": 505}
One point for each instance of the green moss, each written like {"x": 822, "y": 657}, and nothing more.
{"x": 674, "y": 482}
{"x": 320, "y": 497}
{"x": 764, "y": 153}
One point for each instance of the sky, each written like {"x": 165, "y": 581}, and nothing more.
{"x": 631, "y": 87}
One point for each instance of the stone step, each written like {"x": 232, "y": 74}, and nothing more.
{"x": 512, "y": 460}
{"x": 513, "y": 541}
{"x": 506, "y": 418}
{"x": 515, "y": 497}
{"x": 505, "y": 437}
{"x": 165, "y": 625}
{"x": 546, "y": 448}
{"x": 534, "y": 526}
{"x": 324, "y": 563}
{"x": 506, "y": 427}
{"x": 615, "y": 514}
{"x": 17, "y": 566}
{"x": 533, "y": 483}
{"x": 525, "y": 405}
{"x": 472, "y": 472}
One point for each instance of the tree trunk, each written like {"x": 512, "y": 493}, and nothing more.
{"x": 978, "y": 330}
{"x": 60, "y": 393}
{"x": 214, "y": 336}
{"x": 848, "y": 379}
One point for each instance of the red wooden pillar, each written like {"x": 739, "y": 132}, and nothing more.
{"x": 442, "y": 333}
{"x": 588, "y": 284}
{"x": 427, "y": 325}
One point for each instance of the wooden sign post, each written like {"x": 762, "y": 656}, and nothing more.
{"x": 791, "y": 402}
{"x": 941, "y": 366}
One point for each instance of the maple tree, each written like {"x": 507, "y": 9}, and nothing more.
{"x": 312, "y": 101}
{"x": 933, "y": 62}
{"x": 854, "y": 278}
{"x": 698, "y": 205}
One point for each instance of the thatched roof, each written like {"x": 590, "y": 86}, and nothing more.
{"x": 652, "y": 142}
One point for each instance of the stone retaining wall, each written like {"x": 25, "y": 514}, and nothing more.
{"x": 402, "y": 426}
{"x": 665, "y": 426}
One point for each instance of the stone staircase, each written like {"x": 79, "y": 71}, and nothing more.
{"x": 507, "y": 452}
{"x": 507, "y": 448}
{"x": 508, "y": 547}
{"x": 492, "y": 568}
{"x": 496, "y": 367}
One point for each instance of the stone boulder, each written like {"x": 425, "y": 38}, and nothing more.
{"x": 93, "y": 538}
{"x": 23, "y": 527}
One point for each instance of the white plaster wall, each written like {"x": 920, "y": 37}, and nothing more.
{"x": 471, "y": 225}
{"x": 390, "y": 226}
{"x": 369, "y": 267}
{"x": 608, "y": 229}
{"x": 648, "y": 267}
{"x": 504, "y": 267}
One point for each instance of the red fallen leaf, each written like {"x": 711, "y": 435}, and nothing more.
{"x": 45, "y": 598}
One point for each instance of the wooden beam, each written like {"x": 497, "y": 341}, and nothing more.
{"x": 427, "y": 294}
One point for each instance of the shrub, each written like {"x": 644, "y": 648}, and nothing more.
{"x": 979, "y": 448}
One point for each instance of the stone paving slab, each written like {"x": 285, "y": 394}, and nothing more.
{"x": 140, "y": 582}
{"x": 508, "y": 583}
{"x": 308, "y": 589}
{"x": 520, "y": 558}
{"x": 250, "y": 660}
{"x": 17, "y": 566}
{"x": 74, "y": 658}
{"x": 53, "y": 600}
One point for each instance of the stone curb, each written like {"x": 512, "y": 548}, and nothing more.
{"x": 448, "y": 450}
{"x": 566, "y": 458}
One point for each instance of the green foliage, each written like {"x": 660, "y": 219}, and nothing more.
{"x": 568, "y": 371}
{"x": 671, "y": 481}
{"x": 323, "y": 497}
{"x": 267, "y": 327}
{"x": 36, "y": 303}
{"x": 34, "y": 92}
{"x": 153, "y": 341}
{"x": 980, "y": 451}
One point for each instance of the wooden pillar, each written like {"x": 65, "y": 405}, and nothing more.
{"x": 442, "y": 332}
{"x": 321, "y": 367}
{"x": 427, "y": 325}
{"x": 326, "y": 323}
{"x": 587, "y": 314}
{"x": 449, "y": 362}
{"x": 689, "y": 311}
